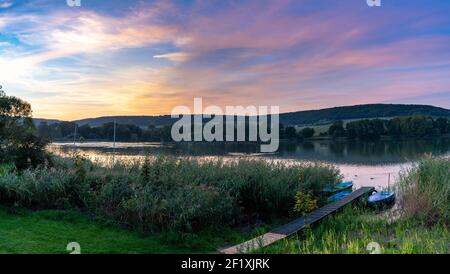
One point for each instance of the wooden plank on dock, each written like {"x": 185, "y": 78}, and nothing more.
{"x": 296, "y": 225}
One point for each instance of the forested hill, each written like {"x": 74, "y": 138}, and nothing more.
{"x": 141, "y": 121}
{"x": 361, "y": 112}
{"x": 292, "y": 118}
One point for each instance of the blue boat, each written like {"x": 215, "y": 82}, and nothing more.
{"x": 347, "y": 185}
{"x": 382, "y": 198}
{"x": 338, "y": 196}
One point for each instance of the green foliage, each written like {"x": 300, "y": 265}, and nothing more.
{"x": 124, "y": 132}
{"x": 360, "y": 112}
{"x": 366, "y": 129}
{"x": 420, "y": 228}
{"x": 337, "y": 129}
{"x": 442, "y": 125}
{"x": 6, "y": 169}
{"x": 414, "y": 126}
{"x": 304, "y": 203}
{"x": 425, "y": 191}
{"x": 350, "y": 232}
{"x": 401, "y": 127}
{"x": 18, "y": 142}
{"x": 168, "y": 193}
{"x": 13, "y": 108}
{"x": 307, "y": 132}
{"x": 290, "y": 133}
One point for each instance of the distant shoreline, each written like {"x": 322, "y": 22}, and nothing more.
{"x": 315, "y": 138}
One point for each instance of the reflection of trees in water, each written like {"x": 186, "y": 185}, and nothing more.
{"x": 413, "y": 149}
{"x": 368, "y": 152}
{"x": 443, "y": 146}
{"x": 338, "y": 148}
{"x": 367, "y": 149}
{"x": 214, "y": 149}
{"x": 308, "y": 146}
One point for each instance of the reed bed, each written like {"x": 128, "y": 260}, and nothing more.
{"x": 168, "y": 193}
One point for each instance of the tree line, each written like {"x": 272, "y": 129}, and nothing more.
{"x": 124, "y": 132}
{"x": 400, "y": 127}
{"x": 291, "y": 133}
{"x": 133, "y": 133}
{"x": 367, "y": 129}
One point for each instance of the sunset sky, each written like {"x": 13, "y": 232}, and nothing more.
{"x": 112, "y": 57}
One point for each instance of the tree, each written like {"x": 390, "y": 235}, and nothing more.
{"x": 307, "y": 132}
{"x": 366, "y": 129}
{"x": 422, "y": 126}
{"x": 291, "y": 132}
{"x": 337, "y": 129}
{"x": 18, "y": 141}
{"x": 394, "y": 127}
{"x": 415, "y": 126}
{"x": 443, "y": 125}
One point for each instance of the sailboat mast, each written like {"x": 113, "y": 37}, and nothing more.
{"x": 389, "y": 182}
{"x": 114, "y": 141}
{"x": 75, "y": 135}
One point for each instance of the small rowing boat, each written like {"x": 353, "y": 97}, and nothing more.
{"x": 343, "y": 186}
{"x": 382, "y": 198}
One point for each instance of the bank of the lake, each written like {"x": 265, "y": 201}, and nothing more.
{"x": 366, "y": 163}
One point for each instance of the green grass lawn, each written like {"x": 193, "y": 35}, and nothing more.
{"x": 50, "y": 231}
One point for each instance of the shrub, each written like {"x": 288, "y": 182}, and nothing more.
{"x": 40, "y": 188}
{"x": 304, "y": 203}
{"x": 186, "y": 208}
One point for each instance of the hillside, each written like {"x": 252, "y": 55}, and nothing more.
{"x": 37, "y": 121}
{"x": 360, "y": 112}
{"x": 141, "y": 121}
{"x": 292, "y": 118}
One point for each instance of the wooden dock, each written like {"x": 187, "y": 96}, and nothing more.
{"x": 296, "y": 225}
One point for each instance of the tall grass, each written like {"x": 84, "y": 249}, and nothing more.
{"x": 425, "y": 191}
{"x": 6, "y": 168}
{"x": 351, "y": 231}
{"x": 422, "y": 226}
{"x": 167, "y": 192}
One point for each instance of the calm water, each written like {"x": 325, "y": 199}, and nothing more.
{"x": 366, "y": 163}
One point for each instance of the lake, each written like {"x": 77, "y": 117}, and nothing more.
{"x": 374, "y": 163}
